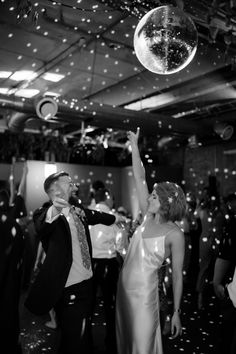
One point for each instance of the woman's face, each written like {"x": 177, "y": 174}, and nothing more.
{"x": 153, "y": 202}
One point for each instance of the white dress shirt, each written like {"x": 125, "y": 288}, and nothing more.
{"x": 78, "y": 272}
{"x": 103, "y": 237}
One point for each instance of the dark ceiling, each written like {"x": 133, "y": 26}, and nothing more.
{"x": 90, "y": 43}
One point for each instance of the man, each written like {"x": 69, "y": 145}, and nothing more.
{"x": 224, "y": 268}
{"x": 106, "y": 266}
{"x": 65, "y": 279}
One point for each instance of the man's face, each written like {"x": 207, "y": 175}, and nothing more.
{"x": 62, "y": 188}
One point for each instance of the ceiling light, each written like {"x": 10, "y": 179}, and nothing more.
{"x": 23, "y": 75}
{"x": 151, "y": 102}
{"x": 5, "y": 74}
{"x": 28, "y": 93}
{"x": 53, "y": 77}
{"x": 4, "y": 90}
{"x": 54, "y": 94}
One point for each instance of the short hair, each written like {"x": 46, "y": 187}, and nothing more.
{"x": 4, "y": 199}
{"x": 98, "y": 185}
{"x": 52, "y": 178}
{"x": 172, "y": 199}
{"x": 101, "y": 195}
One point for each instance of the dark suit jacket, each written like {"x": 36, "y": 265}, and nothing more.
{"x": 56, "y": 240}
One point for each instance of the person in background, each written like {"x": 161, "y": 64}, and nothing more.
{"x": 105, "y": 264}
{"x": 223, "y": 272}
{"x": 122, "y": 238}
{"x": 158, "y": 237}
{"x": 212, "y": 218}
{"x": 17, "y": 195}
{"x": 64, "y": 281}
{"x": 192, "y": 227}
{"x": 96, "y": 185}
{"x": 11, "y": 257}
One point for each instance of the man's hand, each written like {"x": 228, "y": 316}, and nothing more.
{"x": 219, "y": 291}
{"x": 120, "y": 221}
{"x": 58, "y": 202}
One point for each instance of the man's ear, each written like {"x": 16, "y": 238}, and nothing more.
{"x": 50, "y": 193}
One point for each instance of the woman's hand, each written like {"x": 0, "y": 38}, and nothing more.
{"x": 133, "y": 137}
{"x": 176, "y": 328}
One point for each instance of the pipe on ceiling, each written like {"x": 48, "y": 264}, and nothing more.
{"x": 43, "y": 109}
{"x": 101, "y": 115}
{"x": 16, "y": 121}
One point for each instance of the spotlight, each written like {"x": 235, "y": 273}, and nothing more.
{"x": 224, "y": 130}
{"x": 46, "y": 108}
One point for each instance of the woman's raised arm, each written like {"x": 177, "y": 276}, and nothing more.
{"x": 139, "y": 172}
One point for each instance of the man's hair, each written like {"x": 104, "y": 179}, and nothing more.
{"x": 101, "y": 195}
{"x": 98, "y": 185}
{"x": 172, "y": 201}
{"x": 4, "y": 199}
{"x": 52, "y": 178}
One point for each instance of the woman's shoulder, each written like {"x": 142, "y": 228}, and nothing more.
{"x": 175, "y": 233}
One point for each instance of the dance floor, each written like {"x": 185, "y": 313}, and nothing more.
{"x": 199, "y": 336}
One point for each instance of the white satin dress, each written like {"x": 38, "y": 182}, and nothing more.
{"x": 137, "y": 304}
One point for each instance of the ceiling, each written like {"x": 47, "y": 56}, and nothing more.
{"x": 104, "y": 89}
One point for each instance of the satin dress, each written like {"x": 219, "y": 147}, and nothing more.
{"x": 137, "y": 304}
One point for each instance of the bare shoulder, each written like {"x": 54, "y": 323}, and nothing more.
{"x": 176, "y": 235}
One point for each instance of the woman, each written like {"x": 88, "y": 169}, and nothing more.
{"x": 158, "y": 237}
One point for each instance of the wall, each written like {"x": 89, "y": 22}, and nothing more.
{"x": 208, "y": 163}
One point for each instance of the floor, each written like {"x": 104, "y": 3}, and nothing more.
{"x": 199, "y": 330}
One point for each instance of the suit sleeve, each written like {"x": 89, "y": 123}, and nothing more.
{"x": 42, "y": 228}
{"x": 96, "y": 217}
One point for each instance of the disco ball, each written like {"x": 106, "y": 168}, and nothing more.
{"x": 165, "y": 40}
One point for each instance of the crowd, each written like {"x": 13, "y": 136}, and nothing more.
{"x": 68, "y": 254}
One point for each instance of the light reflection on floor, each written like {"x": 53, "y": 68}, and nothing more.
{"x": 199, "y": 331}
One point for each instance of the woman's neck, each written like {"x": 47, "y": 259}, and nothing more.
{"x": 156, "y": 218}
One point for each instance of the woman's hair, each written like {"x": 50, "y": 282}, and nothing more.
{"x": 172, "y": 201}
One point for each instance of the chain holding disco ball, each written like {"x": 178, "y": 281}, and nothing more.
{"x": 165, "y": 40}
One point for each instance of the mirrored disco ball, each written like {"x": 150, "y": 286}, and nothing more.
{"x": 165, "y": 40}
